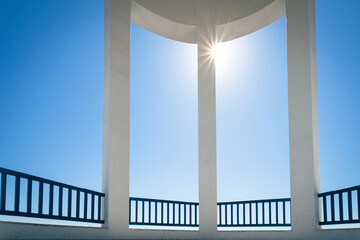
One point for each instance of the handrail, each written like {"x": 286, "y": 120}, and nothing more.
{"x": 256, "y": 201}
{"x": 162, "y": 200}
{"x": 75, "y": 199}
{"x": 40, "y": 179}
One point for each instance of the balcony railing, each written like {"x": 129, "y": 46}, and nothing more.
{"x": 30, "y": 196}
{"x": 256, "y": 213}
{"x": 340, "y": 207}
{"x": 146, "y": 211}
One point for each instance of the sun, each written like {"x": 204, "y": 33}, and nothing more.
{"x": 220, "y": 53}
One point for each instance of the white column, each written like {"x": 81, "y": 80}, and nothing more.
{"x": 207, "y": 133}
{"x": 303, "y": 116}
{"x": 116, "y": 120}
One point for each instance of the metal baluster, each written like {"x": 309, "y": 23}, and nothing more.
{"x": 41, "y": 192}
{"x": 263, "y": 212}
{"x": 156, "y": 218}
{"x": 70, "y": 203}
{"x": 162, "y": 212}
{"x": 220, "y": 214}
{"x": 184, "y": 213}
{"x": 196, "y": 206}
{"x": 232, "y": 213}
{"x": 168, "y": 214}
{"x": 226, "y": 210}
{"x": 179, "y": 212}
{"x": 136, "y": 211}
{"x": 270, "y": 220}
{"x": 325, "y": 208}
{"x": 129, "y": 210}
{"x": 332, "y": 207}
{"x": 173, "y": 213}
{"x": 149, "y": 211}
{"x": 99, "y": 207}
{"x": 244, "y": 214}
{"x": 277, "y": 212}
{"x": 29, "y": 196}
{"x": 284, "y": 216}
{"x": 51, "y": 199}
{"x": 358, "y": 201}
{"x": 60, "y": 200}
{"x": 143, "y": 211}
{"x": 92, "y": 206}
{"x": 77, "y": 204}
{"x": 3, "y": 191}
{"x": 190, "y": 216}
{"x": 257, "y": 214}
{"x": 237, "y": 214}
{"x": 250, "y": 212}
{"x": 85, "y": 205}
{"x": 17, "y": 194}
{"x": 341, "y": 205}
{"x": 350, "y": 206}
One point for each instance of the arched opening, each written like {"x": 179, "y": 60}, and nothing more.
{"x": 253, "y": 131}
{"x": 163, "y": 130}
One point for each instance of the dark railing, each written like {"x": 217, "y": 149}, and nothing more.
{"x": 145, "y": 211}
{"x": 30, "y": 196}
{"x": 256, "y": 213}
{"x": 340, "y": 207}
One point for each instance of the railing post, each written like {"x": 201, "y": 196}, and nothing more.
{"x": 303, "y": 117}
{"x": 116, "y": 121}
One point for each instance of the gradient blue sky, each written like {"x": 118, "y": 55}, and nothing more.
{"x": 51, "y": 70}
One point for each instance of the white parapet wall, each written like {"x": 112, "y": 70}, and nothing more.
{"x": 34, "y": 232}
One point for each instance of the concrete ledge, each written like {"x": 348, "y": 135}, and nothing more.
{"x": 26, "y": 231}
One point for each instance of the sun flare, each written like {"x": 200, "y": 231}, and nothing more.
{"x": 221, "y": 53}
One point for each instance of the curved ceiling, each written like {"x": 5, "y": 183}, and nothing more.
{"x": 180, "y": 19}
{"x": 199, "y": 12}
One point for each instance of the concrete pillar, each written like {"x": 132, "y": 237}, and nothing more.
{"x": 303, "y": 116}
{"x": 116, "y": 122}
{"x": 207, "y": 133}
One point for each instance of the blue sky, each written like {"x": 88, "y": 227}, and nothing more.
{"x": 252, "y": 117}
{"x": 51, "y": 70}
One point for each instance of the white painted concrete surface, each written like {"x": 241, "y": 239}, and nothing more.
{"x": 207, "y": 132}
{"x": 304, "y": 146}
{"x": 303, "y": 117}
{"x": 116, "y": 122}
{"x": 178, "y": 20}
